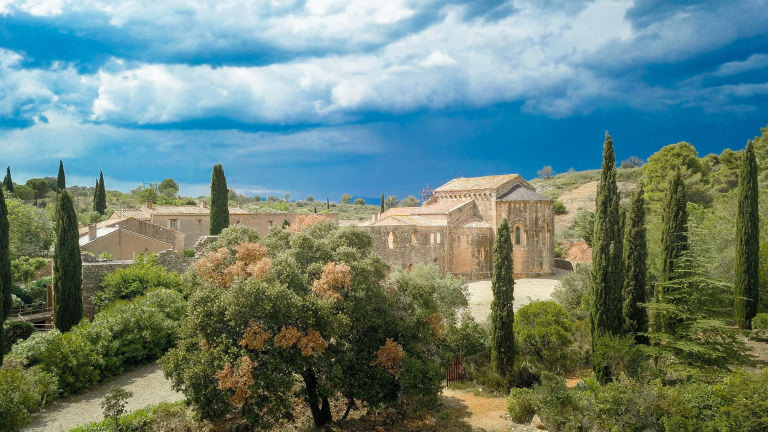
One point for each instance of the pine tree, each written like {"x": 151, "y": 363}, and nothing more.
{"x": 502, "y": 311}
{"x": 219, "y": 200}
{"x": 5, "y": 271}
{"x": 5, "y": 262}
{"x": 67, "y": 267}
{"x": 8, "y": 182}
{"x": 606, "y": 277}
{"x": 747, "y": 242}
{"x": 382, "y": 202}
{"x": 100, "y": 196}
{"x": 61, "y": 182}
{"x": 635, "y": 267}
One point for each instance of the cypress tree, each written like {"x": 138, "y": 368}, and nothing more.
{"x": 61, "y": 182}
{"x": 674, "y": 219}
{"x": 747, "y": 242}
{"x": 635, "y": 267}
{"x": 606, "y": 278}
{"x": 219, "y": 200}
{"x": 327, "y": 204}
{"x": 5, "y": 262}
{"x": 502, "y": 311}
{"x": 382, "y": 203}
{"x": 5, "y": 271}
{"x": 100, "y": 196}
{"x": 7, "y": 182}
{"x": 67, "y": 267}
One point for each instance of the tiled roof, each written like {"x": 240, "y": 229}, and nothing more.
{"x": 134, "y": 213}
{"x": 101, "y": 232}
{"x": 405, "y": 220}
{"x": 102, "y": 224}
{"x": 476, "y": 183}
{"x": 443, "y": 206}
{"x": 169, "y": 210}
{"x": 521, "y": 193}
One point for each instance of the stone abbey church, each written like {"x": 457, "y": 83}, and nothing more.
{"x": 455, "y": 229}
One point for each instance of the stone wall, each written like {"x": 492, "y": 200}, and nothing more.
{"x": 471, "y": 252}
{"x": 535, "y": 254}
{"x": 410, "y": 245}
{"x": 174, "y": 238}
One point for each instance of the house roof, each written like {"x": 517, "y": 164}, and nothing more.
{"x": 100, "y": 232}
{"x": 168, "y": 210}
{"x": 477, "y": 183}
{"x": 134, "y": 213}
{"x": 108, "y": 231}
{"x": 406, "y": 220}
{"x": 519, "y": 192}
{"x": 441, "y": 207}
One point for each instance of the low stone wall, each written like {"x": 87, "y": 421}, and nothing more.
{"x": 95, "y": 270}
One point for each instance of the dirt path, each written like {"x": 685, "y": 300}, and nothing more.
{"x": 483, "y": 413}
{"x": 147, "y": 383}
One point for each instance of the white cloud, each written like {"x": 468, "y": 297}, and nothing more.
{"x": 438, "y": 59}
{"x": 753, "y": 62}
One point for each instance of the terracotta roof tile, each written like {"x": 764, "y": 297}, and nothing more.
{"x": 476, "y": 183}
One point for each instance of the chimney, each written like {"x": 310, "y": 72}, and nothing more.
{"x": 202, "y": 204}
{"x": 148, "y": 204}
{"x": 91, "y": 232}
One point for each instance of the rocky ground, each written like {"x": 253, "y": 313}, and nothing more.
{"x": 526, "y": 291}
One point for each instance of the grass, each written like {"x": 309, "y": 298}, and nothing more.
{"x": 555, "y": 186}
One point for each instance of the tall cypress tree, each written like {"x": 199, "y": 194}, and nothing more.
{"x": 382, "y": 203}
{"x": 635, "y": 267}
{"x": 219, "y": 200}
{"x": 747, "y": 242}
{"x": 502, "y": 305}
{"x": 5, "y": 271}
{"x": 606, "y": 277}
{"x": 100, "y": 196}
{"x": 5, "y": 262}
{"x": 674, "y": 219}
{"x": 61, "y": 181}
{"x": 67, "y": 267}
{"x": 8, "y": 182}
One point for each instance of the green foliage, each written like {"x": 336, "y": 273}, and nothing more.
{"x": 760, "y": 321}
{"x": 147, "y": 195}
{"x": 24, "y": 268}
{"x": 546, "y": 172}
{"x": 346, "y": 198}
{"x": 584, "y": 225}
{"x": 607, "y": 256}
{"x": 5, "y": 270}
{"x": 29, "y": 352}
{"x": 522, "y": 404}
{"x": 410, "y": 201}
{"x": 106, "y": 256}
{"x": 674, "y": 236}
{"x": 502, "y": 316}
{"x": 189, "y": 253}
{"x": 635, "y": 265}
{"x": 137, "y": 279}
{"x": 24, "y": 391}
{"x": 16, "y": 331}
{"x": 232, "y": 236}
{"x": 559, "y": 208}
{"x": 657, "y": 173}
{"x": 162, "y": 417}
{"x": 67, "y": 267}
{"x": 113, "y": 405}
{"x": 359, "y": 201}
{"x": 29, "y": 227}
{"x": 168, "y": 188}
{"x": 39, "y": 188}
{"x": 573, "y": 292}
{"x": 8, "y": 182}
{"x": 100, "y": 196}
{"x": 632, "y": 162}
{"x": 543, "y": 334}
{"x": 219, "y": 200}
{"x": 468, "y": 338}
{"x": 746, "y": 288}
{"x": 61, "y": 180}
{"x": 376, "y": 342}
{"x": 38, "y": 290}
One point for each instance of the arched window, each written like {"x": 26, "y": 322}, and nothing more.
{"x": 518, "y": 235}
{"x": 392, "y": 239}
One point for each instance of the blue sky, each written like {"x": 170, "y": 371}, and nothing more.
{"x": 323, "y": 97}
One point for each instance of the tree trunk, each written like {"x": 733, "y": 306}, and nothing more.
{"x": 321, "y": 415}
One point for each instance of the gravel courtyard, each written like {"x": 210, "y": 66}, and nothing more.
{"x": 526, "y": 291}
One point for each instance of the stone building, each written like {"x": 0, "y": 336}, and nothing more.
{"x": 456, "y": 227}
{"x": 126, "y": 238}
{"x": 194, "y": 220}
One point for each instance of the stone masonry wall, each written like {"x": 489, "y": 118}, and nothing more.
{"x": 410, "y": 245}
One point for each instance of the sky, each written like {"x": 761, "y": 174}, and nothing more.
{"x": 324, "y": 97}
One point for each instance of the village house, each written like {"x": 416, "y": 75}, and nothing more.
{"x": 456, "y": 227}
{"x": 127, "y": 237}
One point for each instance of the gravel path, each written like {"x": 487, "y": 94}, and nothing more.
{"x": 526, "y": 291}
{"x": 147, "y": 383}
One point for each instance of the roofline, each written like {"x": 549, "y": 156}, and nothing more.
{"x": 126, "y": 230}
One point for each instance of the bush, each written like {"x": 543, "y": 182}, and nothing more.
{"x": 16, "y": 331}
{"x": 573, "y": 292}
{"x": 542, "y": 333}
{"x": 30, "y": 352}
{"x": 189, "y": 253}
{"x": 359, "y": 201}
{"x": 23, "y": 391}
{"x": 106, "y": 256}
{"x": 162, "y": 417}
{"x": 559, "y": 208}
{"x": 760, "y": 321}
{"x": 39, "y": 288}
{"x": 522, "y": 404}
{"x": 135, "y": 280}
{"x": 468, "y": 338}
{"x": 560, "y": 408}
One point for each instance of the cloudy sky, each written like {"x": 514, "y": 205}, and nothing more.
{"x": 324, "y": 97}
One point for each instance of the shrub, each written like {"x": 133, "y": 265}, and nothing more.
{"x": 39, "y": 288}
{"x": 572, "y": 292}
{"x": 16, "y": 331}
{"x": 30, "y": 352}
{"x": 135, "y": 280}
{"x": 23, "y": 391}
{"x": 542, "y": 331}
{"x": 161, "y": 417}
{"x": 468, "y": 338}
{"x": 559, "y": 208}
{"x": 106, "y": 256}
{"x": 522, "y": 404}
{"x": 23, "y": 295}
{"x": 760, "y": 321}
{"x": 559, "y": 407}
{"x": 189, "y": 253}
{"x": 359, "y": 201}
